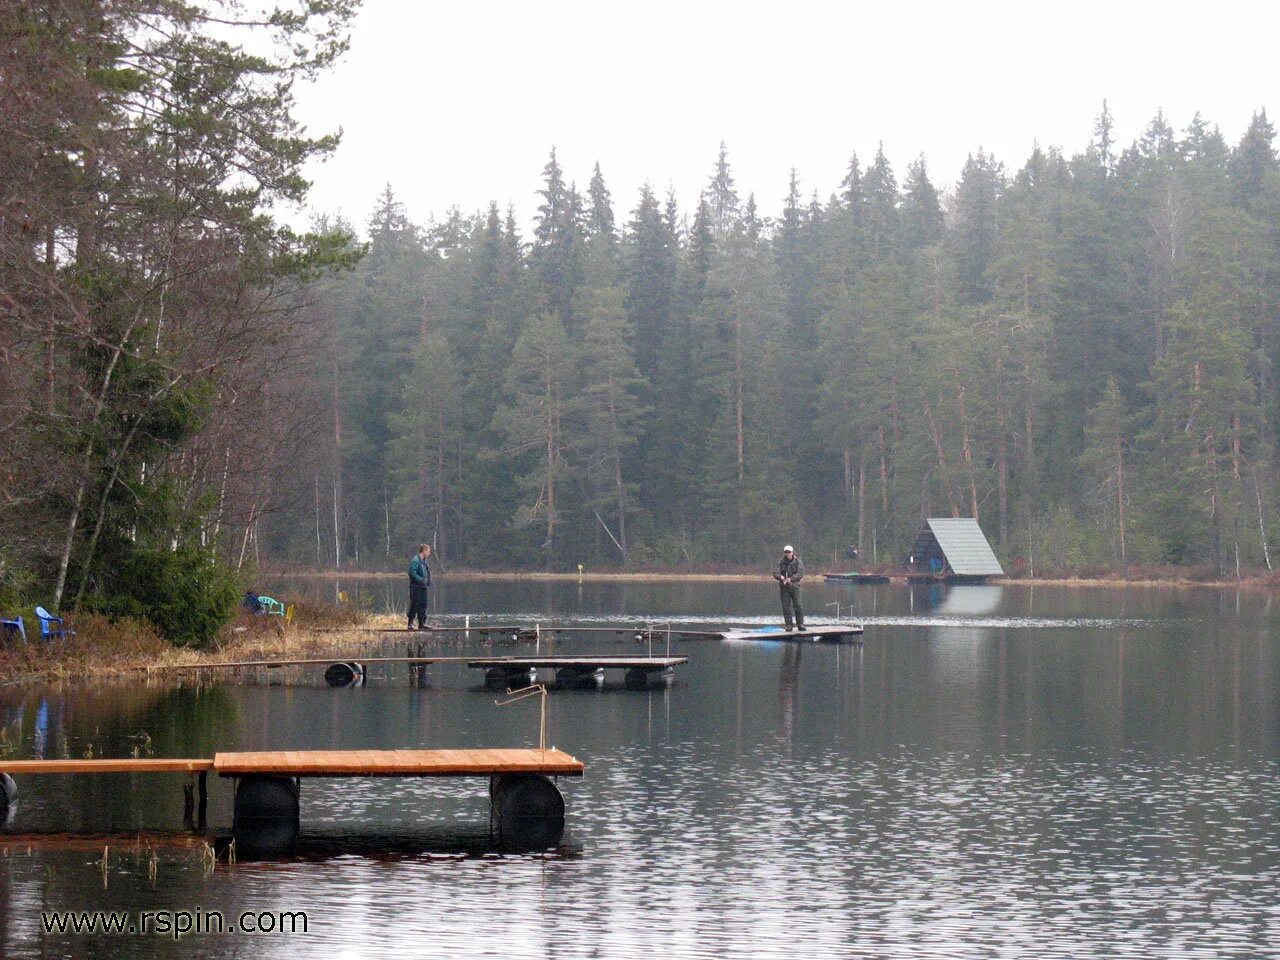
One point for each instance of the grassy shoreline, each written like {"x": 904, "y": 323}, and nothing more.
{"x": 102, "y": 651}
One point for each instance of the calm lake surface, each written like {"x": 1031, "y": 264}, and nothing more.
{"x": 996, "y": 772}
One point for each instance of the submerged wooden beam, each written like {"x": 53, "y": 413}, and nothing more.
{"x": 107, "y": 765}
{"x": 299, "y": 662}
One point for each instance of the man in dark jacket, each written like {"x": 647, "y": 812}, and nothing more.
{"x": 419, "y": 581}
{"x": 789, "y": 574}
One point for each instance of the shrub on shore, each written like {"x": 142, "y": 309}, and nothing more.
{"x": 187, "y": 594}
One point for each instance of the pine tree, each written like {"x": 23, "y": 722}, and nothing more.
{"x": 650, "y": 271}
{"x": 531, "y": 424}
{"x": 558, "y": 252}
{"x": 1104, "y": 457}
{"x": 751, "y": 223}
{"x": 921, "y": 210}
{"x": 1104, "y": 141}
{"x": 424, "y": 435}
{"x": 721, "y": 196}
{"x": 611, "y": 394}
{"x": 880, "y": 204}
{"x": 976, "y": 229}
{"x": 600, "y": 226}
{"x": 851, "y": 188}
{"x": 1253, "y": 163}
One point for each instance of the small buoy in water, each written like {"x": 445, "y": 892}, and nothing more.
{"x": 344, "y": 674}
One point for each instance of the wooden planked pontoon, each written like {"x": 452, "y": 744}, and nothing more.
{"x": 398, "y": 763}
{"x": 524, "y": 803}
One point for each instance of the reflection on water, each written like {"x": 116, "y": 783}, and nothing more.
{"x": 999, "y": 771}
{"x": 971, "y": 600}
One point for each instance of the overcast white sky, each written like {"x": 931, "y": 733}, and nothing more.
{"x": 460, "y": 102}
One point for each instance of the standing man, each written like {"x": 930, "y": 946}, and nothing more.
{"x": 419, "y": 581}
{"x": 790, "y": 573}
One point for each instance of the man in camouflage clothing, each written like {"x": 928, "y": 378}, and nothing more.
{"x": 789, "y": 574}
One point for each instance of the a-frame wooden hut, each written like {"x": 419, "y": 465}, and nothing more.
{"x": 953, "y": 548}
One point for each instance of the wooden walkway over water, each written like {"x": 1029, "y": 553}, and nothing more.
{"x": 326, "y": 763}
{"x": 510, "y": 670}
{"x": 399, "y": 763}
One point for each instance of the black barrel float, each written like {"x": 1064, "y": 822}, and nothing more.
{"x": 527, "y": 809}
{"x": 265, "y": 820}
{"x": 641, "y": 678}
{"x": 8, "y": 799}
{"x": 580, "y": 677}
{"x": 344, "y": 674}
{"x": 503, "y": 678}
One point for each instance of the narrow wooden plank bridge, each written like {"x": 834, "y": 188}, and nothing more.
{"x": 524, "y": 803}
{"x": 511, "y": 671}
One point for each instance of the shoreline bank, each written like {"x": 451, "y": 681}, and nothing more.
{"x": 84, "y": 661}
{"x": 1255, "y": 581}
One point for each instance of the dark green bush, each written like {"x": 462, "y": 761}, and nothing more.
{"x": 186, "y": 594}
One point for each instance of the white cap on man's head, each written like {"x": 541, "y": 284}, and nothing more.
{"x": 787, "y": 549}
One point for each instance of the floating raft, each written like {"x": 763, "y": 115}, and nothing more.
{"x": 838, "y": 634}
{"x": 578, "y": 670}
{"x": 398, "y": 763}
{"x": 524, "y": 803}
{"x": 509, "y": 671}
{"x": 326, "y": 763}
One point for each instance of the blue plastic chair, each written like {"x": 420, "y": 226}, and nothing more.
{"x": 47, "y": 631}
{"x": 14, "y": 626}
{"x": 271, "y": 605}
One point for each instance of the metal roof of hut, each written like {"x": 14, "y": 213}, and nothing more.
{"x": 961, "y": 545}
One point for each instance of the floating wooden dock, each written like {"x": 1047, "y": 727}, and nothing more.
{"x": 398, "y": 763}
{"x": 835, "y": 634}
{"x": 524, "y": 803}
{"x": 570, "y": 670}
{"x": 576, "y": 670}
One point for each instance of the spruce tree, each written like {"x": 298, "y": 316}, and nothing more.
{"x": 721, "y": 196}
{"x": 1105, "y": 457}
{"x": 600, "y": 216}
{"x": 531, "y": 425}
{"x": 921, "y": 209}
{"x": 611, "y": 393}
{"x": 1253, "y": 162}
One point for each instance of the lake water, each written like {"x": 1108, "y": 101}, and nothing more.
{"x": 997, "y": 771}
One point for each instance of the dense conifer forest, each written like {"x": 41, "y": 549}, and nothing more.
{"x": 1077, "y": 348}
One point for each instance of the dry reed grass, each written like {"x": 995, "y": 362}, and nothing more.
{"x": 103, "y": 649}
